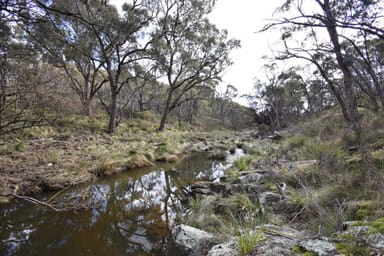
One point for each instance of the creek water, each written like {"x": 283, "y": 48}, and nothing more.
{"x": 132, "y": 214}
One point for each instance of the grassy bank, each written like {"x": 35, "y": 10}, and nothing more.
{"x": 77, "y": 150}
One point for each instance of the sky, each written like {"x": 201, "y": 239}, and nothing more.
{"x": 242, "y": 19}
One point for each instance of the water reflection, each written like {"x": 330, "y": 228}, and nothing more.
{"x": 132, "y": 217}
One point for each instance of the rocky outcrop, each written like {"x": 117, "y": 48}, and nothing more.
{"x": 363, "y": 235}
{"x": 320, "y": 246}
{"x": 279, "y": 240}
{"x": 285, "y": 241}
{"x": 191, "y": 241}
{"x": 209, "y": 188}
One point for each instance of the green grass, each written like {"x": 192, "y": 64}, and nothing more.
{"x": 241, "y": 164}
{"x": 195, "y": 205}
{"x": 248, "y": 241}
{"x": 295, "y": 141}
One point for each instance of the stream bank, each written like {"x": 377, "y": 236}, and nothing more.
{"x": 52, "y": 161}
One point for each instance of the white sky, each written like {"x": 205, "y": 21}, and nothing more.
{"x": 242, "y": 18}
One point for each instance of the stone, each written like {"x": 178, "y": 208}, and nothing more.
{"x": 275, "y": 136}
{"x": 364, "y": 232}
{"x": 299, "y": 165}
{"x": 279, "y": 240}
{"x": 250, "y": 178}
{"x": 190, "y": 240}
{"x": 268, "y": 198}
{"x": 225, "y": 249}
{"x": 321, "y": 247}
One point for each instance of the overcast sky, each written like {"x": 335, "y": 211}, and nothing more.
{"x": 242, "y": 19}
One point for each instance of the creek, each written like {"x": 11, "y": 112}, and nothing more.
{"x": 131, "y": 215}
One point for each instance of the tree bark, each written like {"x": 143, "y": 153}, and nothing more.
{"x": 166, "y": 111}
{"x": 347, "y": 76}
{"x": 87, "y": 107}
{"x": 112, "y": 112}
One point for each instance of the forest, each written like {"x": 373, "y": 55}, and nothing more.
{"x": 89, "y": 91}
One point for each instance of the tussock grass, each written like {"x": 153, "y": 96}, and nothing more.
{"x": 248, "y": 241}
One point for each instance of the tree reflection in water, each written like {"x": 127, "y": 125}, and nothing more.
{"x": 132, "y": 217}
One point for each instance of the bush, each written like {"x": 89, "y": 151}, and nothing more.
{"x": 295, "y": 142}
{"x": 330, "y": 156}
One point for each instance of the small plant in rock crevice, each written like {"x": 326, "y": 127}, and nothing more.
{"x": 249, "y": 240}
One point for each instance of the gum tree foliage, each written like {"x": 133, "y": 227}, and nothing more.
{"x": 223, "y": 102}
{"x": 316, "y": 30}
{"x": 122, "y": 42}
{"x": 67, "y": 42}
{"x": 103, "y": 45}
{"x": 189, "y": 51}
{"x": 25, "y": 86}
{"x": 287, "y": 96}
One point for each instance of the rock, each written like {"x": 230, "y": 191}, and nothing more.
{"x": 299, "y": 165}
{"x": 365, "y": 234}
{"x": 268, "y": 198}
{"x": 190, "y": 240}
{"x": 275, "y": 136}
{"x": 201, "y": 191}
{"x": 377, "y": 241}
{"x": 319, "y": 246}
{"x": 273, "y": 230}
{"x": 225, "y": 249}
{"x": 250, "y": 178}
{"x": 279, "y": 241}
{"x": 282, "y": 240}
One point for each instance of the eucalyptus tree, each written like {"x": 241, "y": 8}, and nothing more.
{"x": 122, "y": 42}
{"x": 189, "y": 51}
{"x": 25, "y": 85}
{"x": 224, "y": 101}
{"x": 103, "y": 43}
{"x": 145, "y": 86}
{"x": 365, "y": 57}
{"x": 324, "y": 25}
{"x": 69, "y": 44}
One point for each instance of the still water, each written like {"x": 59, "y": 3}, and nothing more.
{"x": 131, "y": 214}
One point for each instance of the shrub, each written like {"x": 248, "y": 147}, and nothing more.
{"x": 295, "y": 141}
{"x": 352, "y": 245}
{"x": 331, "y": 157}
{"x": 378, "y": 226}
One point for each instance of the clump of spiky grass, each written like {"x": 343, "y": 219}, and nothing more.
{"x": 249, "y": 240}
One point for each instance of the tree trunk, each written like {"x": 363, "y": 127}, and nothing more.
{"x": 87, "y": 107}
{"x": 347, "y": 76}
{"x": 112, "y": 112}
{"x": 378, "y": 87}
{"x": 166, "y": 111}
